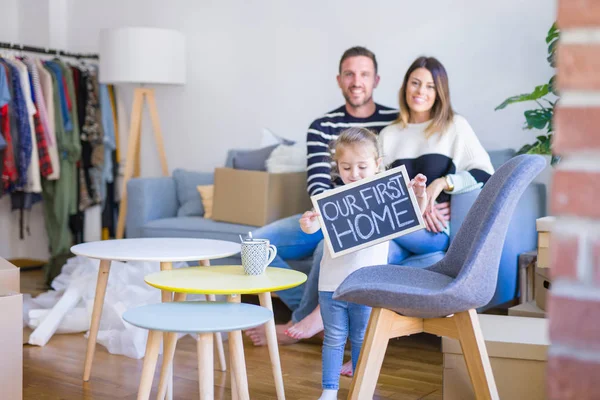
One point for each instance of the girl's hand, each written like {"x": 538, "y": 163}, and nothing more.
{"x": 309, "y": 222}
{"x": 435, "y": 219}
{"x": 419, "y": 186}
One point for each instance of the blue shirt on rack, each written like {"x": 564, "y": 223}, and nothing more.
{"x": 4, "y": 99}
{"x": 64, "y": 108}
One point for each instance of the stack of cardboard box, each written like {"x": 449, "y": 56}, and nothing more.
{"x": 541, "y": 277}
{"x": 257, "y": 197}
{"x": 517, "y": 348}
{"x": 11, "y": 332}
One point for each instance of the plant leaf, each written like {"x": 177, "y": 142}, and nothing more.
{"x": 524, "y": 149}
{"x": 552, "y": 88}
{"x": 553, "y": 33}
{"x": 552, "y": 54}
{"x": 538, "y": 118}
{"x": 539, "y": 92}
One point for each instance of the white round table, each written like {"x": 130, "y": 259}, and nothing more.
{"x": 163, "y": 250}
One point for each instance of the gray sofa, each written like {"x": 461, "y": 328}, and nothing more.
{"x": 171, "y": 207}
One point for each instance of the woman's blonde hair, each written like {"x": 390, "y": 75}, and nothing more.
{"x": 441, "y": 112}
{"x": 350, "y": 137}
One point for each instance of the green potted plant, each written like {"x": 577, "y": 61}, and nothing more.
{"x": 545, "y": 96}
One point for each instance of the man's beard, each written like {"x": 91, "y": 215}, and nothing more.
{"x": 355, "y": 104}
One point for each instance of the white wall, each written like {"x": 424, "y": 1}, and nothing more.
{"x": 272, "y": 63}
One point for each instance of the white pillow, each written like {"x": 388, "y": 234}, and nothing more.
{"x": 269, "y": 138}
{"x": 287, "y": 159}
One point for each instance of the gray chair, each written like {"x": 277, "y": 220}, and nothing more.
{"x": 442, "y": 299}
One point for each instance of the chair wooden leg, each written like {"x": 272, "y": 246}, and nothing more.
{"x": 96, "y": 315}
{"x": 238, "y": 363}
{"x": 266, "y": 301}
{"x": 476, "y": 356}
{"x": 371, "y": 354}
{"x": 205, "y": 366}
{"x": 152, "y": 347}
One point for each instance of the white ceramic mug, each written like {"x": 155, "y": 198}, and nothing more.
{"x": 257, "y": 254}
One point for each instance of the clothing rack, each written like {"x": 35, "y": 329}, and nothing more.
{"x": 45, "y": 50}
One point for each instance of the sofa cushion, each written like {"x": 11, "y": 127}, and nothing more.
{"x": 195, "y": 227}
{"x": 207, "y": 195}
{"x": 253, "y": 160}
{"x": 499, "y": 157}
{"x": 186, "y": 183}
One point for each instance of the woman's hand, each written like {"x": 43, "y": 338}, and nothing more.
{"x": 309, "y": 222}
{"x": 443, "y": 210}
{"x": 436, "y": 215}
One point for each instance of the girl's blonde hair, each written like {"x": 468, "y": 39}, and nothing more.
{"x": 350, "y": 137}
{"x": 442, "y": 113}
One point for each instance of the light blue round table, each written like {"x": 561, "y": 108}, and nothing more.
{"x": 197, "y": 317}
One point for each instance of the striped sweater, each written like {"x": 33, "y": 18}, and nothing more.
{"x": 326, "y": 129}
{"x": 457, "y": 153}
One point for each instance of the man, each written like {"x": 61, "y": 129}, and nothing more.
{"x": 357, "y": 78}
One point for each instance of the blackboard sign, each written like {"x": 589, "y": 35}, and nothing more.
{"x": 367, "y": 212}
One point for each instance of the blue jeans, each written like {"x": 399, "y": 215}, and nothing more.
{"x": 293, "y": 244}
{"x": 419, "y": 242}
{"x": 341, "y": 320}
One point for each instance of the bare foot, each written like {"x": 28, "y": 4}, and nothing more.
{"x": 308, "y": 327}
{"x": 259, "y": 337}
{"x": 347, "y": 369}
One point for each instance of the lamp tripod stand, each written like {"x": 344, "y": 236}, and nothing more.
{"x": 132, "y": 162}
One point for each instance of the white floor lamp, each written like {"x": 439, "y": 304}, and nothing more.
{"x": 143, "y": 56}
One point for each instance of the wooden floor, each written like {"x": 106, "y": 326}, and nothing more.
{"x": 412, "y": 369}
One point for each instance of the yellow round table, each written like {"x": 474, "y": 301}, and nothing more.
{"x": 232, "y": 281}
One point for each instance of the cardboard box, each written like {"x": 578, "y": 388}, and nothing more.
{"x": 517, "y": 348}
{"x": 542, "y": 286}
{"x": 544, "y": 227}
{"x": 258, "y": 198}
{"x": 529, "y": 309}
{"x": 10, "y": 277}
{"x": 11, "y": 347}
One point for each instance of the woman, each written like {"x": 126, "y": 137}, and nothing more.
{"x": 429, "y": 138}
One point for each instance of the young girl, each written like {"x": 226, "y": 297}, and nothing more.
{"x": 356, "y": 156}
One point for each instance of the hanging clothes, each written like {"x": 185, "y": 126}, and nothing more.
{"x": 8, "y": 166}
{"x": 41, "y": 130}
{"x": 34, "y": 180}
{"x": 19, "y": 120}
{"x": 9, "y": 171}
{"x": 111, "y": 206}
{"x": 60, "y": 196}
{"x": 48, "y": 96}
{"x": 53, "y": 146}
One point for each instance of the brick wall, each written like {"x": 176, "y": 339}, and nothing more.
{"x": 574, "y": 306}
